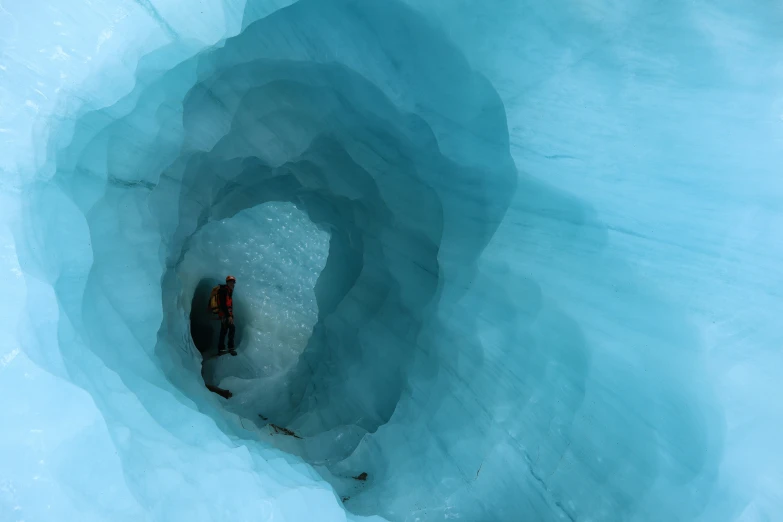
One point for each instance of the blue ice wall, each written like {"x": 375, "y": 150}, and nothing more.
{"x": 551, "y": 291}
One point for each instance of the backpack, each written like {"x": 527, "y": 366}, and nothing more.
{"x": 214, "y": 301}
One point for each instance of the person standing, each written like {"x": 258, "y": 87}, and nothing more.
{"x": 225, "y": 298}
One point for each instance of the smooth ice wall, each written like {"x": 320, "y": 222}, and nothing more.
{"x": 632, "y": 276}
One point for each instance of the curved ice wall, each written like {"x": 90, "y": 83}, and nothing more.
{"x": 551, "y": 290}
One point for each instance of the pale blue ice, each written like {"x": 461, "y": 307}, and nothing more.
{"x": 514, "y": 260}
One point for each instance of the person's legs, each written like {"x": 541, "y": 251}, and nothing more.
{"x": 231, "y": 330}
{"x": 224, "y": 327}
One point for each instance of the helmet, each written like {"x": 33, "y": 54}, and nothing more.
{"x": 231, "y": 278}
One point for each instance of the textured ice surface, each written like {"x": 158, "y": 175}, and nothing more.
{"x": 552, "y": 289}
{"x": 276, "y": 253}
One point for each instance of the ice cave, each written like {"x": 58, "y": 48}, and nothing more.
{"x": 496, "y": 261}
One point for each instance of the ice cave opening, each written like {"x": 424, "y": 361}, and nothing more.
{"x": 277, "y": 254}
{"x": 495, "y": 262}
{"x": 163, "y": 189}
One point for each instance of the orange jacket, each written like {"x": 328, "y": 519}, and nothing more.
{"x": 225, "y": 301}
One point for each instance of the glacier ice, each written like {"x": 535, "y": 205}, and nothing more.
{"x": 513, "y": 261}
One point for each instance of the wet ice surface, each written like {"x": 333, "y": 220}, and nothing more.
{"x": 276, "y": 253}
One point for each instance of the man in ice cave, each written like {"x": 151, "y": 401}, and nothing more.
{"x": 226, "y": 313}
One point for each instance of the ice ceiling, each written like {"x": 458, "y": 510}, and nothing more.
{"x": 505, "y": 261}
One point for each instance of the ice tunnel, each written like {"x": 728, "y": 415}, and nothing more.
{"x": 510, "y": 261}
